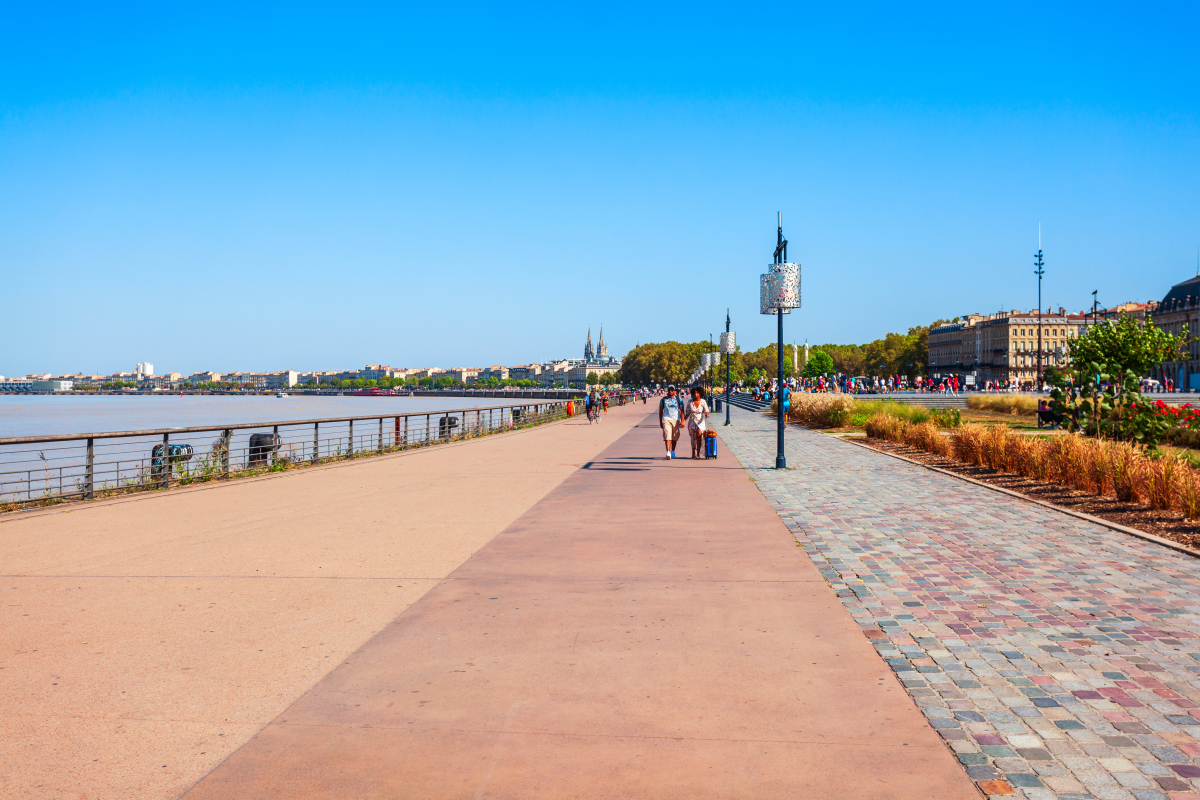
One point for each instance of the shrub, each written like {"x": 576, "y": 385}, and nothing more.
{"x": 1015, "y": 404}
{"x": 1183, "y": 437}
{"x": 946, "y": 418}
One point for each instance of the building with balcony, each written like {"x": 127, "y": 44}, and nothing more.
{"x": 497, "y": 372}
{"x": 1004, "y": 346}
{"x": 1179, "y": 314}
{"x": 463, "y": 375}
{"x": 525, "y": 372}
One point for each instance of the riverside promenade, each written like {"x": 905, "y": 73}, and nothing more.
{"x": 557, "y": 612}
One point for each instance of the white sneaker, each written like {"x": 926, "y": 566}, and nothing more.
{"x": 667, "y": 456}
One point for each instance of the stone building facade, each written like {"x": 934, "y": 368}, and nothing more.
{"x": 1003, "y": 347}
{"x": 1178, "y": 312}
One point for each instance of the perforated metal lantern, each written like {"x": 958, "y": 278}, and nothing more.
{"x": 729, "y": 342}
{"x": 779, "y": 289}
{"x": 765, "y": 293}
{"x": 785, "y": 285}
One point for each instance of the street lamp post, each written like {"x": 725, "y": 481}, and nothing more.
{"x": 1039, "y": 272}
{"x": 779, "y": 293}
{"x": 727, "y": 350}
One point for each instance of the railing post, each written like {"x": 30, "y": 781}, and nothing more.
{"x": 426, "y": 429}
{"x": 166, "y": 461}
{"x": 350, "y": 444}
{"x": 316, "y": 456}
{"x": 381, "y": 436}
{"x": 276, "y": 443}
{"x": 226, "y": 451}
{"x": 89, "y": 475}
{"x": 405, "y": 433}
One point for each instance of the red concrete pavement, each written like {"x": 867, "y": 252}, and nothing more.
{"x": 648, "y": 629}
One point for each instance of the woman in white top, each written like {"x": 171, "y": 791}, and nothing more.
{"x": 697, "y": 413}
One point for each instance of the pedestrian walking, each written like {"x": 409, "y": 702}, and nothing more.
{"x": 697, "y": 416}
{"x": 670, "y": 415}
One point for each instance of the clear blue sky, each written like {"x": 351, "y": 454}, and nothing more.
{"x": 316, "y": 187}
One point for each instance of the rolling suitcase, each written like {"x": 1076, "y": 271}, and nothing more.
{"x": 710, "y": 446}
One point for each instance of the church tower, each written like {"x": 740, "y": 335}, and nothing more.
{"x": 588, "y": 352}
{"x": 602, "y": 348}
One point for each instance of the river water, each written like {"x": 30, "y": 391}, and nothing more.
{"x": 49, "y": 415}
{"x": 36, "y": 471}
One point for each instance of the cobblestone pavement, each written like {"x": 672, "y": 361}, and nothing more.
{"x": 1058, "y": 659}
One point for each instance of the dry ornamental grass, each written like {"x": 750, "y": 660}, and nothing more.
{"x": 1096, "y": 466}
{"x": 1015, "y": 404}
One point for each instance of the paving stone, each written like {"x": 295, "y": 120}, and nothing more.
{"x": 1020, "y": 616}
{"x": 1148, "y": 794}
{"x": 1034, "y": 753}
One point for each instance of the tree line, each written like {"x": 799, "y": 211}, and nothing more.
{"x": 674, "y": 362}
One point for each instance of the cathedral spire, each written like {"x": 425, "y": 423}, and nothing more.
{"x": 588, "y": 351}
{"x": 602, "y": 348}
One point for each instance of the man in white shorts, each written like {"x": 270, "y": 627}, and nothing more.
{"x": 670, "y": 416}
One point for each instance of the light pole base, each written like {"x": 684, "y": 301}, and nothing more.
{"x": 780, "y": 462}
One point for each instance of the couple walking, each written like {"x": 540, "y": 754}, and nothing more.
{"x": 673, "y": 411}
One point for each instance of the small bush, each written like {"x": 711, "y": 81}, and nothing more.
{"x": 946, "y": 418}
{"x": 1015, "y": 404}
{"x": 1183, "y": 437}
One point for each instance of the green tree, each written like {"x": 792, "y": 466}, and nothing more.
{"x": 593, "y": 379}
{"x": 1102, "y": 394}
{"x": 666, "y": 362}
{"x": 819, "y": 363}
{"x": 764, "y": 361}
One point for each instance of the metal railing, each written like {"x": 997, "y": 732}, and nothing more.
{"x": 50, "y": 469}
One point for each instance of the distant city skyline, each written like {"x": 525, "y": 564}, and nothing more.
{"x": 474, "y": 185}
